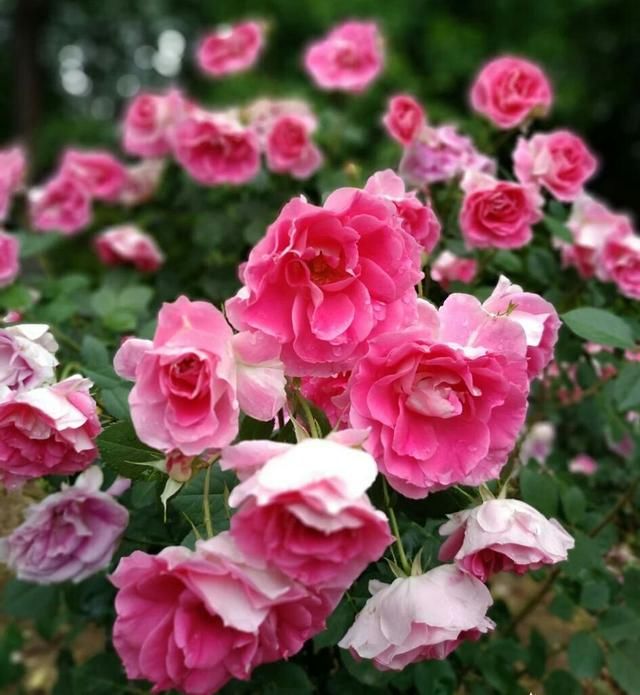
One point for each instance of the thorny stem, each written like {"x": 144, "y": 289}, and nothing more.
{"x": 550, "y": 580}
{"x": 206, "y": 510}
{"x": 404, "y": 562}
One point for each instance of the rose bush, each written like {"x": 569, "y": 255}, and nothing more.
{"x": 368, "y": 425}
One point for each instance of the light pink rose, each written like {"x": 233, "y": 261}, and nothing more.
{"x": 330, "y": 395}
{"x": 27, "y": 356}
{"x": 231, "y": 49}
{"x": 508, "y": 90}
{"x": 289, "y": 148}
{"x": 99, "y": 171}
{"x": 324, "y": 280}
{"x": 348, "y": 58}
{"x": 445, "y": 398}
{"x": 591, "y": 223}
{"x": 13, "y": 166}
{"x": 70, "y": 534}
{"x": 558, "y": 161}
{"x": 498, "y": 214}
{"x": 448, "y": 268}
{"x": 49, "y": 430}
{"x": 441, "y": 154}
{"x": 417, "y": 219}
{"x": 261, "y": 114}
{"x": 538, "y": 443}
{"x": 419, "y": 618}
{"x": 215, "y": 149}
{"x": 620, "y": 262}
{"x": 503, "y": 536}
{"x": 63, "y": 205}
{"x": 583, "y": 463}
{"x": 184, "y": 395}
{"x": 306, "y": 512}
{"x": 126, "y": 244}
{"x": 404, "y": 118}
{"x": 9, "y": 258}
{"x": 194, "y": 620}
{"x": 259, "y": 374}
{"x": 538, "y": 318}
{"x": 149, "y": 121}
{"x": 142, "y": 181}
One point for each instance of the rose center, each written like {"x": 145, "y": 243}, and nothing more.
{"x": 435, "y": 398}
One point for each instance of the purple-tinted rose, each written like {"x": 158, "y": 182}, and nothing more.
{"x": 69, "y": 535}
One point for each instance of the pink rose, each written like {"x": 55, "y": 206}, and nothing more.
{"x": 498, "y": 214}
{"x": 261, "y": 115}
{"x": 314, "y": 493}
{"x": 417, "y": 219}
{"x": 231, "y": 49}
{"x": 538, "y": 443}
{"x": 99, "y": 171}
{"x": 70, "y": 534}
{"x": 508, "y": 90}
{"x": 324, "y": 280}
{"x": 61, "y": 205}
{"x": 290, "y": 150}
{"x": 27, "y": 356}
{"x": 419, "y": 618}
{"x": 49, "y": 430}
{"x": 329, "y": 394}
{"x": 142, "y": 182}
{"x": 9, "y": 258}
{"x": 184, "y": 395}
{"x": 441, "y": 154}
{"x": 149, "y": 121}
{"x": 13, "y": 166}
{"x": 445, "y": 398}
{"x": 558, "y": 161}
{"x": 538, "y": 319}
{"x": 503, "y": 536}
{"x": 583, "y": 463}
{"x": 448, "y": 268}
{"x": 348, "y": 58}
{"x": 127, "y": 244}
{"x": 620, "y": 261}
{"x": 215, "y": 149}
{"x": 194, "y": 620}
{"x": 591, "y": 223}
{"x": 404, "y": 118}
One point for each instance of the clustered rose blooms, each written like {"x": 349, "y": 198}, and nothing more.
{"x": 47, "y": 430}
{"x": 194, "y": 376}
{"x": 419, "y": 617}
{"x": 349, "y": 58}
{"x": 231, "y": 49}
{"x": 558, "y": 161}
{"x": 70, "y": 534}
{"x": 192, "y": 620}
{"x": 498, "y": 214}
{"x": 508, "y": 90}
{"x": 126, "y": 244}
{"x": 9, "y": 258}
{"x": 324, "y": 280}
{"x": 404, "y": 118}
{"x": 448, "y": 268}
{"x": 63, "y": 204}
{"x": 503, "y": 535}
{"x": 289, "y": 148}
{"x": 27, "y": 356}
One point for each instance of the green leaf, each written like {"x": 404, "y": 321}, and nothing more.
{"x": 337, "y": 625}
{"x": 34, "y": 244}
{"x": 254, "y": 429}
{"x": 537, "y": 655}
{"x": 595, "y": 596}
{"x": 189, "y": 499}
{"x": 624, "y": 666}
{"x": 507, "y": 261}
{"x": 599, "y": 326}
{"x": 540, "y": 491}
{"x": 16, "y": 297}
{"x": 558, "y": 228}
{"x": 116, "y": 401}
{"x": 585, "y": 655}
{"x": 619, "y": 624}
{"x": 627, "y": 387}
{"x": 586, "y": 555}
{"x": 25, "y": 600}
{"x": 435, "y": 678}
{"x": 631, "y": 588}
{"x": 562, "y": 683}
{"x": 281, "y": 677}
{"x": 121, "y": 449}
{"x": 574, "y": 504}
